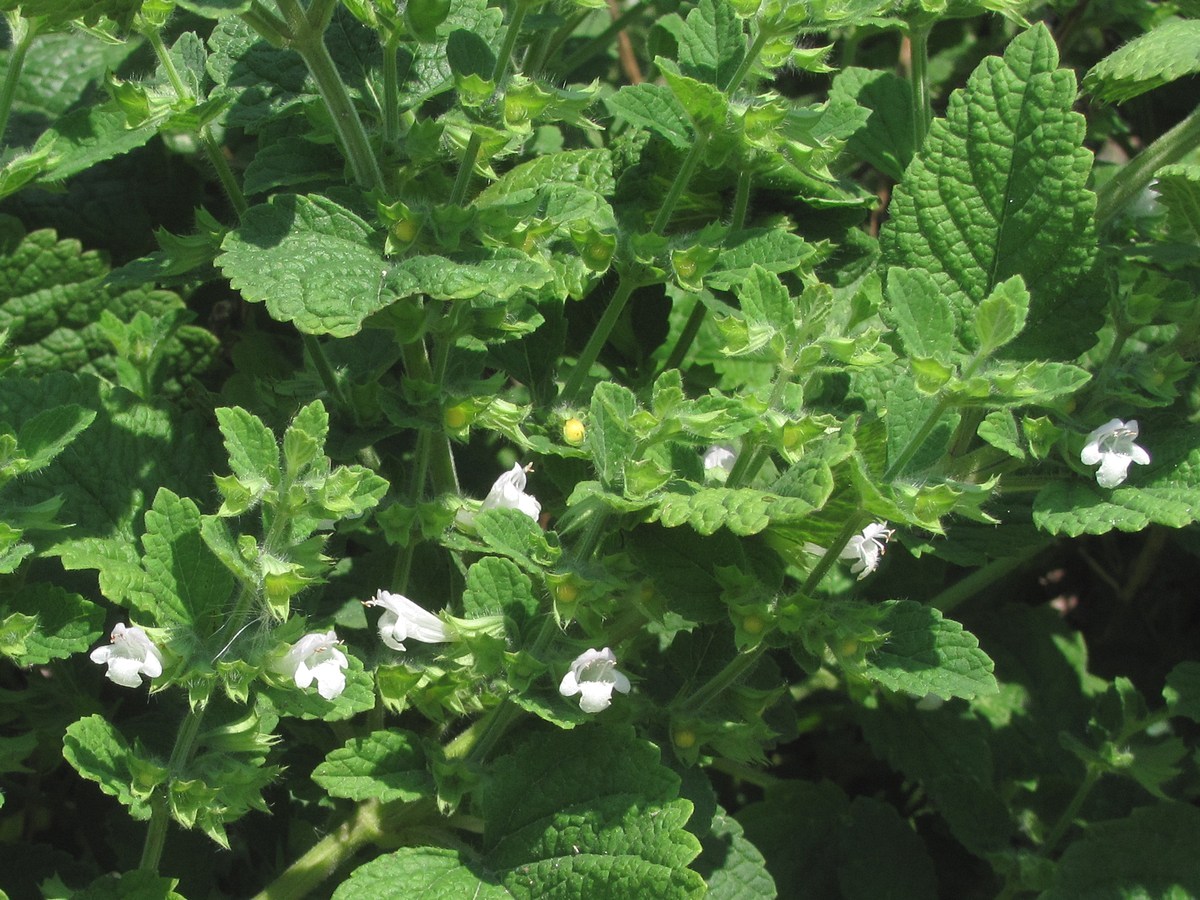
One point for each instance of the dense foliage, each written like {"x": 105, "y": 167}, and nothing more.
{"x": 582, "y": 448}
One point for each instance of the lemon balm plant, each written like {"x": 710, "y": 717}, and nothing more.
{"x": 534, "y": 448}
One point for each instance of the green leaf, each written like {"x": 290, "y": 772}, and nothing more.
{"x": 743, "y": 511}
{"x": 765, "y": 302}
{"x": 774, "y": 249}
{"x": 711, "y": 43}
{"x": 312, "y": 262}
{"x": 423, "y": 873}
{"x": 138, "y": 884}
{"x": 511, "y": 533}
{"x": 919, "y": 314}
{"x": 52, "y": 295}
{"x": 1179, "y": 188}
{"x": 1001, "y": 315}
{"x": 290, "y": 162}
{"x": 1000, "y": 189}
{"x": 732, "y": 867}
{"x": 62, "y": 623}
{"x": 1182, "y": 692}
{"x": 1166, "y": 492}
{"x": 496, "y": 274}
{"x": 706, "y": 106}
{"x": 801, "y": 851}
{"x": 496, "y": 586}
{"x": 185, "y": 583}
{"x": 359, "y": 696}
{"x": 591, "y": 170}
{"x": 1151, "y": 853}
{"x": 887, "y": 141}
{"x": 926, "y": 654}
{"x": 1170, "y": 51}
{"x": 253, "y": 452}
{"x": 654, "y": 108}
{"x": 384, "y": 766}
{"x": 882, "y": 855}
{"x": 611, "y": 438}
{"x": 590, "y": 811}
{"x": 56, "y": 13}
{"x": 46, "y": 435}
{"x": 215, "y": 9}
{"x": 98, "y": 752}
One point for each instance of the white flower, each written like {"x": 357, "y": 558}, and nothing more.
{"x": 402, "y": 619}
{"x": 720, "y": 456}
{"x": 866, "y": 549}
{"x": 1112, "y": 446}
{"x": 316, "y": 657}
{"x": 130, "y": 656}
{"x": 507, "y": 493}
{"x": 594, "y": 676}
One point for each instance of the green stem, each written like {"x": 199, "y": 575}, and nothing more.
{"x": 325, "y": 371}
{"x": 309, "y": 42}
{"x": 23, "y": 33}
{"x": 1133, "y": 177}
{"x": 748, "y": 61}
{"x": 499, "y": 75}
{"x": 391, "y": 94}
{"x": 601, "y": 41}
{"x": 917, "y": 440}
{"x": 160, "y": 816}
{"x": 853, "y": 525}
{"x": 325, "y": 857}
{"x": 735, "y": 669}
{"x": 981, "y": 578}
{"x": 591, "y": 351}
{"x": 683, "y": 343}
{"x": 679, "y": 185}
{"x": 751, "y": 459}
{"x": 1068, "y": 817}
{"x": 416, "y": 363}
{"x": 267, "y": 25}
{"x": 918, "y": 37}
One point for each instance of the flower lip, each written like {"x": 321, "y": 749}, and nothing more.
{"x": 593, "y": 676}
{"x": 720, "y": 456}
{"x": 508, "y": 492}
{"x": 402, "y": 619}
{"x": 316, "y": 657}
{"x": 129, "y": 656}
{"x": 1112, "y": 446}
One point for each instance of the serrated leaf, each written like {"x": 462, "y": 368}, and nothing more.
{"x": 52, "y": 295}
{"x": 654, "y": 108}
{"x": 706, "y": 106}
{"x": 384, "y": 766}
{"x": 62, "y": 623}
{"x": 1179, "y": 188}
{"x": 611, "y": 438}
{"x": 497, "y": 275}
{"x": 882, "y": 855}
{"x": 765, "y": 301}
{"x": 591, "y": 170}
{"x": 1001, "y": 315}
{"x": 1151, "y": 853}
{"x": 1182, "y": 692}
{"x": 887, "y": 141}
{"x": 496, "y": 586}
{"x": 743, "y": 511}
{"x": 589, "y": 811}
{"x": 711, "y": 43}
{"x": 733, "y": 868}
{"x": 777, "y": 250}
{"x": 1168, "y": 52}
{"x": 312, "y": 262}
{"x": 139, "y": 884}
{"x": 43, "y": 437}
{"x": 56, "y": 13}
{"x": 290, "y": 162}
{"x": 919, "y": 313}
{"x": 511, "y": 533}
{"x": 1000, "y": 189}
{"x": 185, "y": 583}
{"x": 926, "y": 654}
{"x": 359, "y": 696}
{"x": 423, "y": 873}
{"x": 98, "y": 752}
{"x": 253, "y": 452}
{"x": 1166, "y": 492}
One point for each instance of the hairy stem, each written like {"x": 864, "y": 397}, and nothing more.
{"x": 23, "y": 33}
{"x": 918, "y": 79}
{"x": 1132, "y": 179}
{"x": 308, "y": 39}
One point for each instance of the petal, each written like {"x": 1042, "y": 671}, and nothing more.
{"x": 1112, "y": 470}
{"x": 303, "y": 676}
{"x": 569, "y": 686}
{"x": 331, "y": 681}
{"x": 388, "y": 636}
{"x": 125, "y": 671}
{"x": 101, "y": 654}
{"x": 595, "y": 696}
{"x": 1139, "y": 455}
{"x": 152, "y": 666}
{"x": 1090, "y": 455}
{"x": 528, "y": 504}
{"x": 621, "y": 682}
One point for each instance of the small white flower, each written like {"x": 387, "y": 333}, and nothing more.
{"x": 1112, "y": 446}
{"x": 130, "y": 656}
{"x": 594, "y": 676}
{"x": 720, "y": 456}
{"x": 508, "y": 492}
{"x": 866, "y": 549}
{"x": 316, "y": 657}
{"x": 402, "y": 619}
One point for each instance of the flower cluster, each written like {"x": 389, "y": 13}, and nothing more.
{"x": 130, "y": 655}
{"x": 1111, "y": 445}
